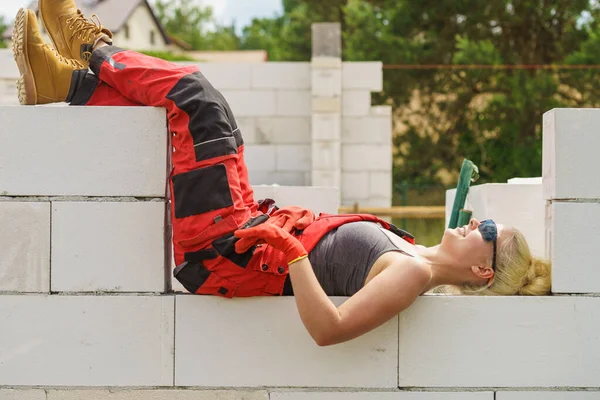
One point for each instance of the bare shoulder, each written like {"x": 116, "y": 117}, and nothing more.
{"x": 403, "y": 267}
{"x": 416, "y": 267}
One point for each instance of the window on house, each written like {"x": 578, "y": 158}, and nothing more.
{"x": 126, "y": 31}
{"x": 152, "y": 38}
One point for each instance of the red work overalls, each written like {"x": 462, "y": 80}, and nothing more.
{"x": 211, "y": 196}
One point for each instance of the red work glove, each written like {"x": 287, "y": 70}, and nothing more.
{"x": 273, "y": 236}
{"x": 292, "y": 217}
{"x": 286, "y": 218}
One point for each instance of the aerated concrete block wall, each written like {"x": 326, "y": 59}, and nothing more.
{"x": 295, "y": 137}
{"x": 85, "y": 313}
{"x": 559, "y": 215}
{"x": 572, "y": 193}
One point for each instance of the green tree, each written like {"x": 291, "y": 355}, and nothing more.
{"x": 288, "y": 37}
{"x": 196, "y": 25}
{"x": 3, "y": 27}
{"x": 488, "y": 115}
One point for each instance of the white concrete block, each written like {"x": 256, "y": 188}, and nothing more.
{"x": 525, "y": 181}
{"x": 108, "y": 247}
{"x": 500, "y": 342}
{"x": 382, "y": 396}
{"x": 258, "y": 177}
{"x": 291, "y": 178}
{"x": 326, "y": 155}
{"x": 158, "y": 394}
{"x": 367, "y": 130}
{"x": 22, "y": 394}
{"x": 25, "y": 244}
{"x": 360, "y": 158}
{"x": 326, "y": 105}
{"x": 272, "y": 348}
{"x": 326, "y": 82}
{"x": 570, "y": 146}
{"x": 326, "y": 126}
{"x": 284, "y": 130}
{"x": 381, "y": 111}
{"x": 517, "y": 205}
{"x": 318, "y": 199}
{"x": 281, "y": 75}
{"x": 294, "y": 103}
{"x": 263, "y": 192}
{"x": 380, "y": 184}
{"x": 571, "y": 395}
{"x": 86, "y": 341}
{"x": 116, "y": 151}
{"x": 356, "y": 103}
{"x": 260, "y": 158}
{"x": 329, "y": 178}
{"x": 223, "y": 76}
{"x": 326, "y": 62}
{"x": 363, "y": 75}
{"x": 573, "y": 230}
{"x": 251, "y": 103}
{"x": 247, "y": 125}
{"x": 355, "y": 185}
{"x": 293, "y": 158}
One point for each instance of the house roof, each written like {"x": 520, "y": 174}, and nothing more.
{"x": 112, "y": 13}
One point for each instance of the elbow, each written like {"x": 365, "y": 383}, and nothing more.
{"x": 326, "y": 331}
{"x": 323, "y": 341}
{"x": 326, "y": 338}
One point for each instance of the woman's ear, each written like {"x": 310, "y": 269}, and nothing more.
{"x": 482, "y": 272}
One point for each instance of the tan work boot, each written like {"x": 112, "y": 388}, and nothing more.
{"x": 46, "y": 76}
{"x": 73, "y": 35}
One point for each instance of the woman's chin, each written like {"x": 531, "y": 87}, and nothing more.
{"x": 450, "y": 236}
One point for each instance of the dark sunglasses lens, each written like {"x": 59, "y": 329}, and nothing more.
{"x": 488, "y": 230}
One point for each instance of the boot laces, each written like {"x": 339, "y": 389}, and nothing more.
{"x": 72, "y": 63}
{"x": 84, "y": 28}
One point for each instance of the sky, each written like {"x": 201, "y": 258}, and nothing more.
{"x": 226, "y": 11}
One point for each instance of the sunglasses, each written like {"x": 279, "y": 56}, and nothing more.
{"x": 489, "y": 232}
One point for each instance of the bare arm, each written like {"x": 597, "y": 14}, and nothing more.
{"x": 381, "y": 299}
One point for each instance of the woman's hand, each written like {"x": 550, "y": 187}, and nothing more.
{"x": 274, "y": 236}
{"x": 289, "y": 218}
{"x": 286, "y": 218}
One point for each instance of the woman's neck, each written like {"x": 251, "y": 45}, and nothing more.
{"x": 444, "y": 270}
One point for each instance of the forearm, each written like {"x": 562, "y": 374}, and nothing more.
{"x": 319, "y": 315}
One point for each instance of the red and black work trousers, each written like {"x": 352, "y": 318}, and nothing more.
{"x": 210, "y": 193}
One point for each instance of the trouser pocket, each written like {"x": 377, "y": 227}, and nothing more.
{"x": 201, "y": 191}
{"x": 198, "y": 279}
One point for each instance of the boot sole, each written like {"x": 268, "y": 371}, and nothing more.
{"x": 26, "y": 83}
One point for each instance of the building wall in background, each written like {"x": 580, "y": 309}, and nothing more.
{"x": 141, "y": 27}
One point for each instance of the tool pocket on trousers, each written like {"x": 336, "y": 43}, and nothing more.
{"x": 223, "y": 227}
{"x": 197, "y": 279}
{"x": 201, "y": 190}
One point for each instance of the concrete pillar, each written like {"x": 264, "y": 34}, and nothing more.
{"x": 326, "y": 104}
{"x": 571, "y": 186}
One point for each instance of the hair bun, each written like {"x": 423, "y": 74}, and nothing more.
{"x": 538, "y": 279}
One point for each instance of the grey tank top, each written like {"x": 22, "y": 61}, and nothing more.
{"x": 344, "y": 257}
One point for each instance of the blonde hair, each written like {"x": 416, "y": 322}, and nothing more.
{"x": 517, "y": 272}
